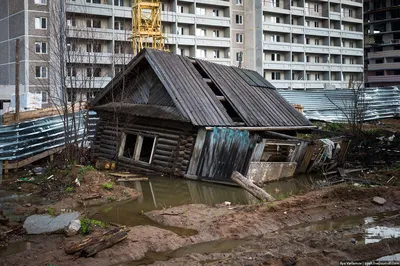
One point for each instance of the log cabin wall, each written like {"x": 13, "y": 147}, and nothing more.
{"x": 172, "y": 148}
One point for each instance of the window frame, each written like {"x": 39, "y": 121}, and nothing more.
{"x": 41, "y": 47}
{"x": 46, "y": 97}
{"x": 138, "y": 145}
{"x": 40, "y": 19}
{"x": 40, "y": 2}
{"x": 239, "y": 37}
{"x": 41, "y": 76}
{"x": 239, "y": 19}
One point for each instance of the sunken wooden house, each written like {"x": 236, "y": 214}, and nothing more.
{"x": 188, "y": 117}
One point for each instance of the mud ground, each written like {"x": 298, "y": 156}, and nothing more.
{"x": 278, "y": 232}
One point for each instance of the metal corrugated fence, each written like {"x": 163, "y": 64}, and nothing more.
{"x": 337, "y": 105}
{"x": 25, "y": 139}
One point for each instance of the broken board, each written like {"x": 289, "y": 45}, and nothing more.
{"x": 132, "y": 179}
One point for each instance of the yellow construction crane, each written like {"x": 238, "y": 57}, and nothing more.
{"x": 146, "y": 25}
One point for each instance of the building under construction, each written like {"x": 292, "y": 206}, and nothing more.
{"x": 382, "y": 42}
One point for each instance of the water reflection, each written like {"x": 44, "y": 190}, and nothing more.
{"x": 163, "y": 192}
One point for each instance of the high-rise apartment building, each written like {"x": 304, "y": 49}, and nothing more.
{"x": 298, "y": 44}
{"x": 382, "y": 42}
{"x": 310, "y": 44}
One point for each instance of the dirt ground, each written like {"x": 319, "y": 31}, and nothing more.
{"x": 59, "y": 194}
{"x": 272, "y": 234}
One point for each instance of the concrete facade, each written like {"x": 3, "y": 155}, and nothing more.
{"x": 17, "y": 21}
{"x": 299, "y": 44}
{"x": 382, "y": 43}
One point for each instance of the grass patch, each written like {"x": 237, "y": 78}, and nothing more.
{"x": 108, "y": 186}
{"x": 87, "y": 225}
{"x": 51, "y": 211}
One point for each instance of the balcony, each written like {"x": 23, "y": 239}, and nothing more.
{"x": 181, "y": 39}
{"x": 353, "y": 51}
{"x": 352, "y": 35}
{"x": 334, "y": 15}
{"x": 214, "y": 42}
{"x": 316, "y": 31}
{"x": 276, "y": 65}
{"x": 384, "y": 66}
{"x": 353, "y": 19}
{"x": 123, "y": 12}
{"x": 335, "y": 33}
{"x": 122, "y": 35}
{"x": 316, "y": 49}
{"x": 298, "y": 29}
{"x": 352, "y": 68}
{"x": 269, "y": 6}
{"x": 276, "y": 27}
{"x": 352, "y": 3}
{"x": 185, "y": 18}
{"x": 277, "y": 46}
{"x": 172, "y": 16}
{"x": 317, "y": 67}
{"x": 89, "y": 33}
{"x": 214, "y": 2}
{"x": 94, "y": 83}
{"x": 391, "y": 53}
{"x": 298, "y": 11}
{"x": 335, "y": 50}
{"x": 221, "y": 61}
{"x": 298, "y": 47}
{"x": 90, "y": 58}
{"x": 85, "y": 8}
{"x": 213, "y": 21}
{"x": 383, "y": 79}
{"x": 298, "y": 65}
{"x": 281, "y": 84}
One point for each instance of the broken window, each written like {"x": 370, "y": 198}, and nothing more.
{"x": 277, "y": 152}
{"x": 137, "y": 147}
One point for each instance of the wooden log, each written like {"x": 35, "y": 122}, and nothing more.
{"x": 162, "y": 158}
{"x": 91, "y": 245}
{"x": 164, "y": 153}
{"x": 167, "y": 141}
{"x": 105, "y": 242}
{"x": 166, "y": 147}
{"x": 254, "y": 190}
{"x": 164, "y": 164}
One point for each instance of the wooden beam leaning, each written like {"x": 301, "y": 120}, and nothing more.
{"x": 254, "y": 190}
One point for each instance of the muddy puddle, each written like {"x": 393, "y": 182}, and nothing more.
{"x": 15, "y": 248}
{"x": 371, "y": 235}
{"x": 162, "y": 192}
{"x": 219, "y": 246}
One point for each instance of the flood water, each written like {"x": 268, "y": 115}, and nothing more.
{"x": 163, "y": 192}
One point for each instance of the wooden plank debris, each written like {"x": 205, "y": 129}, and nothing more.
{"x": 9, "y": 118}
{"x": 124, "y": 174}
{"x": 132, "y": 179}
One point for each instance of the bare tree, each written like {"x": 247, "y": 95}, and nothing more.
{"x": 354, "y": 108}
{"x": 73, "y": 71}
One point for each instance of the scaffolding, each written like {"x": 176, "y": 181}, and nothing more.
{"x": 146, "y": 25}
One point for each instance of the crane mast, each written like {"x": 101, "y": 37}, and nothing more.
{"x": 146, "y": 25}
